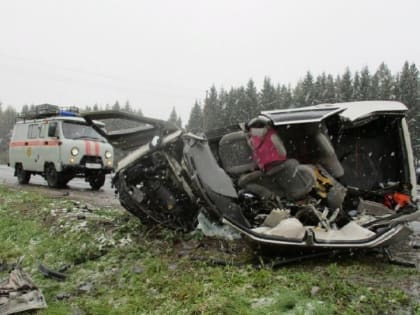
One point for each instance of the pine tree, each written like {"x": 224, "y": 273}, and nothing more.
{"x": 374, "y": 87}
{"x": 116, "y": 106}
{"x": 304, "y": 91}
{"x": 346, "y": 88}
{"x": 320, "y": 88}
{"x": 173, "y": 117}
{"x": 308, "y": 89}
{"x": 386, "y": 86}
{"x": 127, "y": 107}
{"x": 223, "y": 104}
{"x": 267, "y": 95}
{"x": 357, "y": 96}
{"x": 230, "y": 109}
{"x": 238, "y": 106}
{"x": 365, "y": 84}
{"x": 25, "y": 109}
{"x": 7, "y": 121}
{"x": 330, "y": 93}
{"x": 285, "y": 96}
{"x": 195, "y": 123}
{"x": 251, "y": 99}
{"x": 409, "y": 90}
{"x": 409, "y": 85}
{"x": 212, "y": 111}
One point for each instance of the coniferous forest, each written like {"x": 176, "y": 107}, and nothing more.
{"x": 238, "y": 104}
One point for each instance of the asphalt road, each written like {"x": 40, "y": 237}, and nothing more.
{"x": 76, "y": 188}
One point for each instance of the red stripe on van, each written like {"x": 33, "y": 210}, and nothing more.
{"x": 35, "y": 143}
{"x": 96, "y": 148}
{"x": 87, "y": 147}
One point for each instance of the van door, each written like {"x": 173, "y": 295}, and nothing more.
{"x": 52, "y": 144}
{"x": 43, "y": 148}
{"x": 32, "y": 145}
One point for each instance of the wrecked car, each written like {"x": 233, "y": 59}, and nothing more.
{"x": 330, "y": 176}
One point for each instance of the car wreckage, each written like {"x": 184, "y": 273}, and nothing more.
{"x": 329, "y": 176}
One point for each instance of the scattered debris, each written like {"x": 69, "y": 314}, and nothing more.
{"x": 262, "y": 302}
{"x": 18, "y": 293}
{"x": 86, "y": 287}
{"x": 172, "y": 267}
{"x": 315, "y": 290}
{"x": 49, "y": 273}
{"x": 77, "y": 311}
{"x": 216, "y": 230}
{"x": 138, "y": 269}
{"x": 62, "y": 296}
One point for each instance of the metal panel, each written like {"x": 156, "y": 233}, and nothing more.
{"x": 300, "y": 115}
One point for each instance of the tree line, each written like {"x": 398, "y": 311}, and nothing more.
{"x": 239, "y": 104}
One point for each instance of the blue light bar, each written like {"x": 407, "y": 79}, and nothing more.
{"x": 67, "y": 113}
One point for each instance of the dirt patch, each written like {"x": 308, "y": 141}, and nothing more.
{"x": 100, "y": 198}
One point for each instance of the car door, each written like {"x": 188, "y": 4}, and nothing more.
{"x": 129, "y": 131}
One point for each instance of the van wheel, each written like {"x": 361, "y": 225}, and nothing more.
{"x": 96, "y": 181}
{"x": 23, "y": 176}
{"x": 51, "y": 175}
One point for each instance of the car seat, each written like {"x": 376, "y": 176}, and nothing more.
{"x": 325, "y": 155}
{"x": 286, "y": 178}
{"x": 236, "y": 157}
{"x": 292, "y": 178}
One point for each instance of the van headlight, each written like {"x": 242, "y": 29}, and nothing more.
{"x": 74, "y": 151}
{"x": 108, "y": 154}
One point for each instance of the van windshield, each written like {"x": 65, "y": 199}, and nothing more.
{"x": 76, "y": 130}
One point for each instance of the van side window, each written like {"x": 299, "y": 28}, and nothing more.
{"x": 33, "y": 131}
{"x": 52, "y": 129}
{"x": 43, "y": 130}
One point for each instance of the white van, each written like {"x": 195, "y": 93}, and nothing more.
{"x": 59, "y": 146}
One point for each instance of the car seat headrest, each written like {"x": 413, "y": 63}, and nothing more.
{"x": 258, "y": 122}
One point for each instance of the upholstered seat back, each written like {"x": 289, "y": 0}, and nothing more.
{"x": 236, "y": 154}
{"x": 325, "y": 155}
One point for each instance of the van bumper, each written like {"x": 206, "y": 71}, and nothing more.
{"x": 82, "y": 169}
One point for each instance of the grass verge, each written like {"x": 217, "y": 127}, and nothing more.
{"x": 117, "y": 266}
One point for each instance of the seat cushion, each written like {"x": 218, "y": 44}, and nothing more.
{"x": 294, "y": 179}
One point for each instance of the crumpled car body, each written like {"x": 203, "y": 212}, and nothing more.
{"x": 346, "y": 179}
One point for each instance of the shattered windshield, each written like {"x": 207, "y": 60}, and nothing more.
{"x": 79, "y": 130}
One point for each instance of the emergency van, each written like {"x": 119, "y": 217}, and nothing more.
{"x": 59, "y": 145}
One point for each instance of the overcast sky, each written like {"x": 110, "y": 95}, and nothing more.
{"x": 159, "y": 54}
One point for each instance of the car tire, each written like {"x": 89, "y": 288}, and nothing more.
{"x": 52, "y": 176}
{"x": 96, "y": 181}
{"x": 23, "y": 176}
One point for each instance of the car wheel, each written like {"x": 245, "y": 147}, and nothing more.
{"x": 96, "y": 181}
{"x": 22, "y": 175}
{"x": 51, "y": 175}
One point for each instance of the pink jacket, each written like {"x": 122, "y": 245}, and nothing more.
{"x": 265, "y": 153}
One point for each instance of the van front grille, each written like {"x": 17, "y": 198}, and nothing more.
{"x": 91, "y": 159}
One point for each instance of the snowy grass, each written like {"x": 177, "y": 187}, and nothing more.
{"x": 118, "y": 266}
